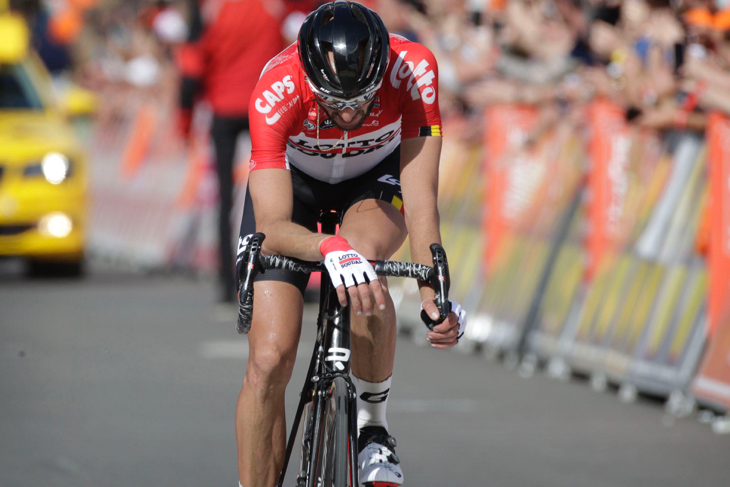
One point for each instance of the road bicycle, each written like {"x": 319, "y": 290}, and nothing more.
{"x": 327, "y": 411}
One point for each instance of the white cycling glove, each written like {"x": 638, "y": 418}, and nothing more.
{"x": 345, "y": 265}
{"x": 461, "y": 313}
{"x": 461, "y": 317}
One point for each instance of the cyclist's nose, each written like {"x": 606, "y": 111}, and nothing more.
{"x": 347, "y": 114}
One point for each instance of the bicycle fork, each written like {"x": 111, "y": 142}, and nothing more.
{"x": 330, "y": 360}
{"x": 336, "y": 363}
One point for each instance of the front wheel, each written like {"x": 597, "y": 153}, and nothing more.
{"x": 331, "y": 457}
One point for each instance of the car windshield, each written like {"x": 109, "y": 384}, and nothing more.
{"x": 16, "y": 89}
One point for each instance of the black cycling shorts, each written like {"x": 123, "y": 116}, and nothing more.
{"x": 312, "y": 197}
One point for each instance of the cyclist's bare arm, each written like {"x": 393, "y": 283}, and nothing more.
{"x": 419, "y": 184}
{"x": 271, "y": 193}
{"x": 272, "y": 196}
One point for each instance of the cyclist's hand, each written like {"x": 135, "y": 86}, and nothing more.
{"x": 447, "y": 333}
{"x": 351, "y": 274}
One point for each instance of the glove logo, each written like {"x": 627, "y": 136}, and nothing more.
{"x": 347, "y": 260}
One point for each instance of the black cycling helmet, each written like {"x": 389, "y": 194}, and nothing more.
{"x": 359, "y": 41}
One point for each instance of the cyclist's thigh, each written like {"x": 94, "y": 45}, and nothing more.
{"x": 374, "y": 228}
{"x": 374, "y": 223}
{"x": 302, "y": 213}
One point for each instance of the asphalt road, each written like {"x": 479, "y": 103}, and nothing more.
{"x": 122, "y": 380}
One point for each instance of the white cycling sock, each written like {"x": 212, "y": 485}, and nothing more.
{"x": 372, "y": 402}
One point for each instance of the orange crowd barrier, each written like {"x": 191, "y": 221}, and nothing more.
{"x": 712, "y": 384}
{"x": 140, "y": 140}
{"x": 718, "y": 135}
{"x": 507, "y": 129}
{"x": 609, "y": 147}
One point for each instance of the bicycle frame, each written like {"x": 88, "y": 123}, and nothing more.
{"x": 330, "y": 359}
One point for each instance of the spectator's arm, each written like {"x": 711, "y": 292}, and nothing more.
{"x": 716, "y": 98}
{"x": 700, "y": 69}
{"x": 668, "y": 116}
{"x": 532, "y": 71}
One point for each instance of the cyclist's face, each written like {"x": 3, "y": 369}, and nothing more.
{"x": 349, "y": 118}
{"x": 345, "y": 118}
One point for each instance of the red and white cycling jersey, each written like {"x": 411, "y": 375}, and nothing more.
{"x": 284, "y": 114}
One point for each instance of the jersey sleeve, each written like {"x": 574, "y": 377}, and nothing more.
{"x": 274, "y": 110}
{"x": 415, "y": 78}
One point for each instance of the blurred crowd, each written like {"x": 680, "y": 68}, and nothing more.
{"x": 664, "y": 61}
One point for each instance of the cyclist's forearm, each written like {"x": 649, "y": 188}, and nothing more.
{"x": 423, "y": 225}
{"x": 419, "y": 184}
{"x": 272, "y": 197}
{"x": 423, "y": 228}
{"x": 290, "y": 239}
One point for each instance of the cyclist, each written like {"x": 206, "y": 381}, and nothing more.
{"x": 345, "y": 119}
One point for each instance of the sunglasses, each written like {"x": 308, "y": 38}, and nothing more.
{"x": 337, "y": 103}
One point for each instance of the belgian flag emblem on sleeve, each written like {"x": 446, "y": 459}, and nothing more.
{"x": 431, "y": 131}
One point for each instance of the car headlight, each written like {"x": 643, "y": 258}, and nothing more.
{"x": 55, "y": 167}
{"x": 56, "y": 224}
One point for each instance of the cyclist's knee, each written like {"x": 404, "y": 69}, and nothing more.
{"x": 270, "y": 367}
{"x": 369, "y": 248}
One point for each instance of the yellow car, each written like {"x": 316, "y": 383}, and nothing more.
{"x": 43, "y": 173}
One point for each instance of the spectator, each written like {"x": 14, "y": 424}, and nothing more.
{"x": 707, "y": 79}
{"x": 229, "y": 44}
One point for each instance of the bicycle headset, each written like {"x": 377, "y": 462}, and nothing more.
{"x": 359, "y": 43}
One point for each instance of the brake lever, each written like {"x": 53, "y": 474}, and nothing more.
{"x": 250, "y": 269}
{"x": 440, "y": 282}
